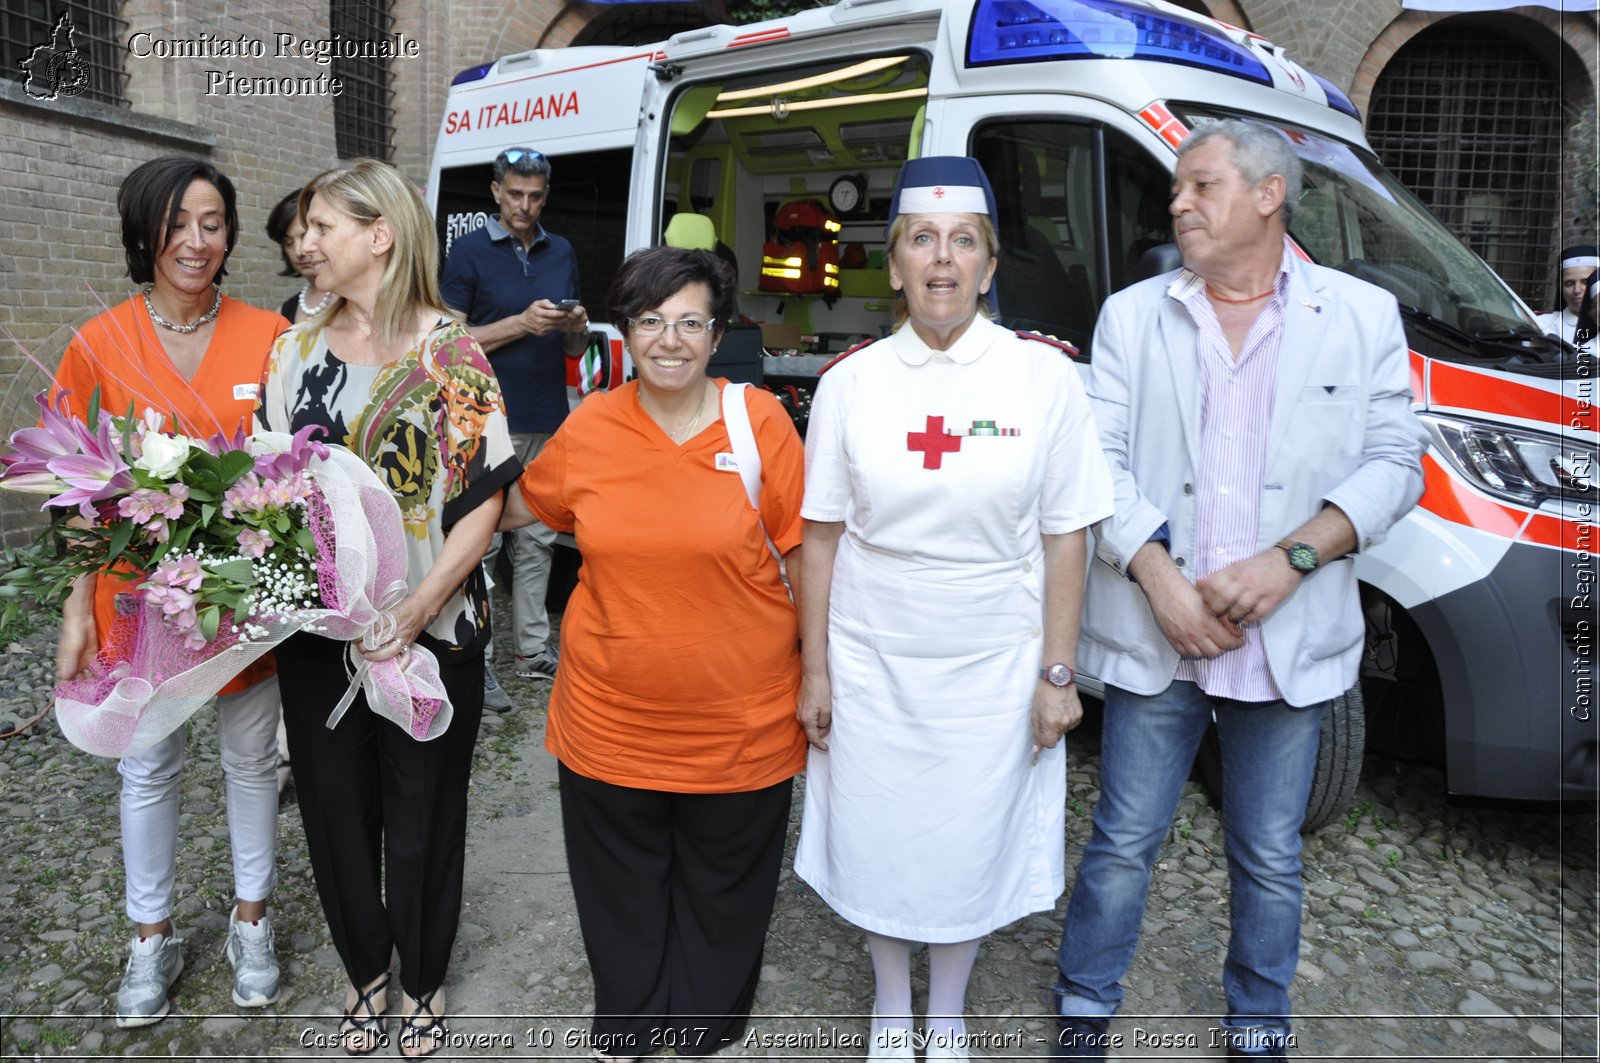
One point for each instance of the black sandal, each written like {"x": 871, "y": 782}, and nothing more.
{"x": 369, "y": 1027}
{"x": 412, "y": 1032}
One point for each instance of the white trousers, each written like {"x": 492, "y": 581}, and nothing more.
{"x": 247, "y": 731}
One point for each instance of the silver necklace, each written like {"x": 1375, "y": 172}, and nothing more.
{"x": 684, "y": 431}
{"x": 320, "y": 307}
{"x": 204, "y": 319}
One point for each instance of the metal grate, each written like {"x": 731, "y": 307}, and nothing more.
{"x": 1472, "y": 123}
{"x": 363, "y": 120}
{"x": 71, "y": 48}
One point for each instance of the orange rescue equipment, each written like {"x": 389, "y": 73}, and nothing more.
{"x": 803, "y": 255}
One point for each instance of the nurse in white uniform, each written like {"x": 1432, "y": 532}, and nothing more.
{"x": 951, "y": 470}
{"x": 1578, "y": 266}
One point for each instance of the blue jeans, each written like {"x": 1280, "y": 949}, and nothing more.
{"x": 1147, "y": 745}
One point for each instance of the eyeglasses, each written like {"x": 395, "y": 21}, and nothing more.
{"x": 516, "y": 155}
{"x": 651, "y": 325}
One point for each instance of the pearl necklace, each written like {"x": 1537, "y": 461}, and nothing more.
{"x": 193, "y": 326}
{"x": 685, "y": 431}
{"x": 320, "y": 307}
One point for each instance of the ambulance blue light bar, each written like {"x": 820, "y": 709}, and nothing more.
{"x": 1015, "y": 31}
{"x": 1336, "y": 99}
{"x": 472, "y": 73}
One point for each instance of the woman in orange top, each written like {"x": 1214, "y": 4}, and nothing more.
{"x": 673, "y": 714}
{"x": 186, "y": 351}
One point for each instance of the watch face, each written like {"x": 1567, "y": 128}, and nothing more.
{"x": 1059, "y": 675}
{"x": 845, "y": 196}
{"x": 1303, "y": 557}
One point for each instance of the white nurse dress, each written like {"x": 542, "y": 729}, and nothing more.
{"x": 929, "y": 818}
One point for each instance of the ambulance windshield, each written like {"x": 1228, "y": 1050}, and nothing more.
{"x": 1354, "y": 216}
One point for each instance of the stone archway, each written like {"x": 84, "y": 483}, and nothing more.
{"x": 1471, "y": 112}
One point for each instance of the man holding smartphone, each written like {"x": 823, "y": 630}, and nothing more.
{"x": 517, "y": 285}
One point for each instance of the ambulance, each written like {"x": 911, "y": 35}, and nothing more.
{"x": 778, "y": 143}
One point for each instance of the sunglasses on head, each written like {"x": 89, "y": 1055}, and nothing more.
{"x": 516, "y": 155}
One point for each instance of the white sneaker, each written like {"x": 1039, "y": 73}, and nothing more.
{"x": 255, "y": 966}
{"x": 154, "y": 963}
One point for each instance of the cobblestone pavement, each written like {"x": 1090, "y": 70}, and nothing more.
{"x": 1433, "y": 931}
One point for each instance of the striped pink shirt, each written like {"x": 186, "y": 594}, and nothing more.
{"x": 1235, "y": 416}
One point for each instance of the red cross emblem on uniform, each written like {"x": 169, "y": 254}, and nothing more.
{"x": 933, "y": 443}
{"x": 938, "y": 193}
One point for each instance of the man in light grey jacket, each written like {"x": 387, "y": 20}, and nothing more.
{"x": 1256, "y": 411}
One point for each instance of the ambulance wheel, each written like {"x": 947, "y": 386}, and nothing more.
{"x": 1344, "y": 741}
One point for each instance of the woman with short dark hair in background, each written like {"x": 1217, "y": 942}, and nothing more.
{"x": 389, "y": 373}
{"x": 673, "y": 713}
{"x": 195, "y": 356}
{"x": 287, "y": 229}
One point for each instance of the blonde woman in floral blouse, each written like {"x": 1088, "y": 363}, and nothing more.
{"x": 393, "y": 376}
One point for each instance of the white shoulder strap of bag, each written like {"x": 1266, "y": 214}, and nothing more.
{"x": 736, "y": 416}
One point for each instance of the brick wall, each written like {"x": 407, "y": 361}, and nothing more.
{"x": 60, "y": 249}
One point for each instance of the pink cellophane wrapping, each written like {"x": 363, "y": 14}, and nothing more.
{"x": 157, "y": 683}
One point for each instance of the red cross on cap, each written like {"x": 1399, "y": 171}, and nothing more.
{"x": 938, "y": 193}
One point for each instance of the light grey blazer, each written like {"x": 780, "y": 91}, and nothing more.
{"x": 1342, "y": 432}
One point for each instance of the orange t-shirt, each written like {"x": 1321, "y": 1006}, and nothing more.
{"x": 118, "y": 352}
{"x": 680, "y": 661}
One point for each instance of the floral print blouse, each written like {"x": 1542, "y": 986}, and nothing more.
{"x": 431, "y": 423}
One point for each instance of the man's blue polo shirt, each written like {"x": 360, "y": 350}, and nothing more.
{"x": 488, "y": 277}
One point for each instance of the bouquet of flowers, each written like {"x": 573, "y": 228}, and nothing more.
{"x": 227, "y": 546}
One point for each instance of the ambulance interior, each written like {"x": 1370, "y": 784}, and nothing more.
{"x": 788, "y": 173}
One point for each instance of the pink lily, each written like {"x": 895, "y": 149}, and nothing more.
{"x": 97, "y": 473}
{"x": 59, "y": 435}
{"x": 301, "y": 450}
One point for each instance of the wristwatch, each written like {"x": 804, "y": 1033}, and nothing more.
{"x": 1302, "y": 556}
{"x": 1058, "y": 675}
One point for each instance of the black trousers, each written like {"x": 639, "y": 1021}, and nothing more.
{"x": 674, "y": 895}
{"x": 385, "y": 815}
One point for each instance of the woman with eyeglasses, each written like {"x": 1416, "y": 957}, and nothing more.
{"x": 673, "y": 715}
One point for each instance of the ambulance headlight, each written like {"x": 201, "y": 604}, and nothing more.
{"x": 1530, "y": 468}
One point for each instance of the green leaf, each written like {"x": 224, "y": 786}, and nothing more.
{"x": 206, "y": 465}
{"x": 235, "y": 464}
{"x": 120, "y": 534}
{"x": 94, "y": 407}
{"x": 280, "y": 523}
{"x": 240, "y": 571}
{"x": 210, "y": 620}
{"x": 181, "y": 537}
{"x": 228, "y": 599}
{"x": 207, "y": 511}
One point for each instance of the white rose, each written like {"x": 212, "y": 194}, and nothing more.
{"x": 162, "y": 455}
